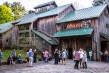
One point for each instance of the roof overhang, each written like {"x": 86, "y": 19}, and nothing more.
{"x": 43, "y": 36}
{"x": 74, "y": 32}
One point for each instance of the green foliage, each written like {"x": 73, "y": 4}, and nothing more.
{"x": 5, "y": 14}
{"x": 17, "y": 9}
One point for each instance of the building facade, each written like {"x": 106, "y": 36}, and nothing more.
{"x": 5, "y": 35}
{"x": 86, "y": 29}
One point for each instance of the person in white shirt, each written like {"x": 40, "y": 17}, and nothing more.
{"x": 84, "y": 61}
{"x": 81, "y": 57}
{"x": 90, "y": 55}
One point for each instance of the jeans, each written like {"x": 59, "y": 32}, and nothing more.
{"x": 90, "y": 58}
{"x": 30, "y": 61}
{"x": 56, "y": 60}
{"x": 46, "y": 59}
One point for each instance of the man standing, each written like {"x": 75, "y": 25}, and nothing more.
{"x": 77, "y": 58}
{"x": 1, "y": 56}
{"x": 30, "y": 55}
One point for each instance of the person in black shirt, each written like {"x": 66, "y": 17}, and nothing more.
{"x": 56, "y": 56}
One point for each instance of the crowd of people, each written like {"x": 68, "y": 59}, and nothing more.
{"x": 60, "y": 56}
{"x": 80, "y": 58}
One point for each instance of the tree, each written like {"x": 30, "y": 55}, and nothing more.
{"x": 5, "y": 14}
{"x": 99, "y": 2}
{"x": 7, "y": 4}
{"x": 18, "y": 10}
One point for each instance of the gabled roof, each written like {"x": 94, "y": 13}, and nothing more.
{"x": 45, "y": 4}
{"x": 5, "y": 27}
{"x": 34, "y": 16}
{"x": 49, "y": 40}
{"x": 74, "y": 32}
{"x": 86, "y": 13}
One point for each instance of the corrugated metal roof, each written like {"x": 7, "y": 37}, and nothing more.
{"x": 105, "y": 36}
{"x": 32, "y": 17}
{"x": 49, "y": 40}
{"x": 74, "y": 32}
{"x": 5, "y": 27}
{"x": 86, "y": 13}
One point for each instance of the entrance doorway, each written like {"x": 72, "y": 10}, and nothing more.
{"x": 70, "y": 54}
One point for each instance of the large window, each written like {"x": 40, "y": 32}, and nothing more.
{"x": 86, "y": 23}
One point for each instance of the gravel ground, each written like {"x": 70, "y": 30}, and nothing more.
{"x": 41, "y": 67}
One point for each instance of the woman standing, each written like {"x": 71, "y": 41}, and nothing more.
{"x": 84, "y": 61}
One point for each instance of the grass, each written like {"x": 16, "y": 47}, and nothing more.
{"x": 7, "y": 53}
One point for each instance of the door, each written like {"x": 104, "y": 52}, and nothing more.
{"x": 70, "y": 54}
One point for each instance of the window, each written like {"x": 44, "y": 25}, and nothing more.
{"x": 24, "y": 38}
{"x": 86, "y": 23}
{"x": 64, "y": 26}
{"x": 24, "y": 27}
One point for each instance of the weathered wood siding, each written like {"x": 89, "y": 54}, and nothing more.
{"x": 100, "y": 27}
{"x": 14, "y": 34}
{"x": 0, "y": 41}
{"x": 47, "y": 25}
{"x": 65, "y": 12}
{"x": 73, "y": 25}
{"x": 7, "y": 38}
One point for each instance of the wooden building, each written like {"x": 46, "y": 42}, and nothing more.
{"x": 37, "y": 28}
{"x": 5, "y": 35}
{"x": 87, "y": 29}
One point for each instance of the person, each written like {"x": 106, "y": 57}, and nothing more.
{"x": 35, "y": 56}
{"x": 77, "y": 58}
{"x": 81, "y": 57}
{"x": 101, "y": 56}
{"x": 14, "y": 56}
{"x": 84, "y": 61}
{"x": 74, "y": 55}
{"x": 27, "y": 57}
{"x": 90, "y": 56}
{"x": 64, "y": 56}
{"x": 19, "y": 59}
{"x": 106, "y": 56}
{"x": 10, "y": 60}
{"x": 46, "y": 56}
{"x": 50, "y": 57}
{"x": 56, "y": 56}
{"x": 60, "y": 55}
{"x": 30, "y": 55}
{"x": 1, "y": 56}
